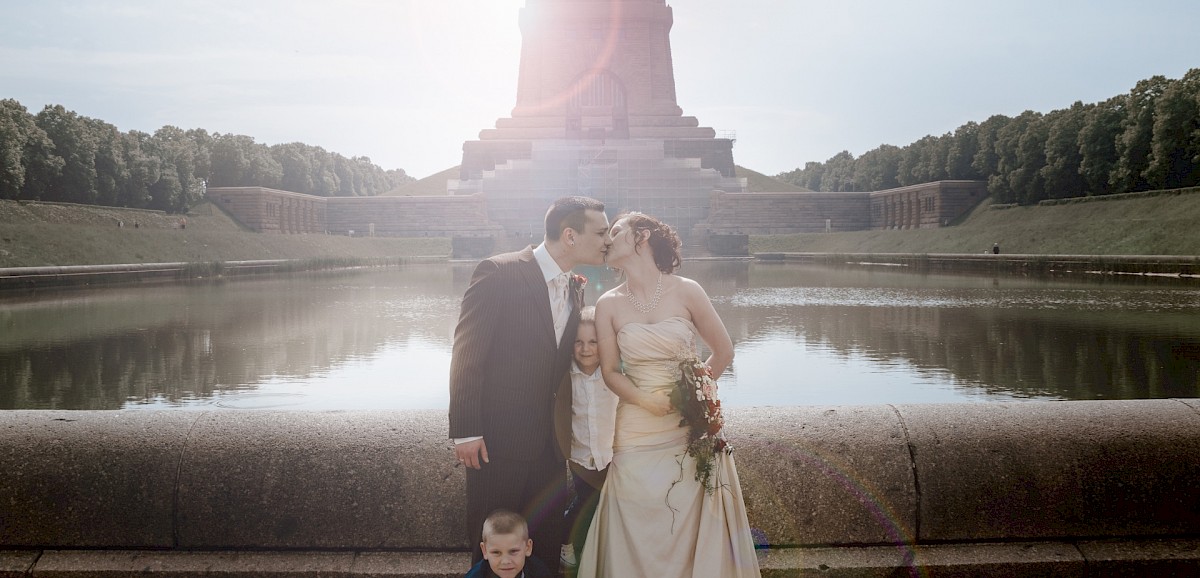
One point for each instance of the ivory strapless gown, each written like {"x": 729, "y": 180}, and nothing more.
{"x": 654, "y": 519}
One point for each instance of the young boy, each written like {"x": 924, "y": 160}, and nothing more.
{"x": 589, "y": 444}
{"x": 507, "y": 549}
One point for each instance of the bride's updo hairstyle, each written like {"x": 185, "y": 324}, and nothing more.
{"x": 664, "y": 242}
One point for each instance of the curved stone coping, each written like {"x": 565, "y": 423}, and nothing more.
{"x": 1188, "y": 259}
{"x": 32, "y": 277}
{"x": 70, "y": 275}
{"x": 115, "y": 268}
{"x": 1165, "y": 557}
{"x": 58, "y": 270}
{"x": 858, "y": 476}
{"x": 1167, "y": 265}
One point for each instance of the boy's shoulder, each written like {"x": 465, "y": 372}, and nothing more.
{"x": 479, "y": 570}
{"x": 534, "y": 568}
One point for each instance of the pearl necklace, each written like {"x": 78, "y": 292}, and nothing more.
{"x": 653, "y": 304}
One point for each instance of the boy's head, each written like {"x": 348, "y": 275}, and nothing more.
{"x": 587, "y": 355}
{"x": 506, "y": 543}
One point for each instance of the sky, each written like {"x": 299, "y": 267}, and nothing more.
{"x": 405, "y": 82}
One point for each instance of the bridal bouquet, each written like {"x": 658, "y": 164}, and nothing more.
{"x": 695, "y": 396}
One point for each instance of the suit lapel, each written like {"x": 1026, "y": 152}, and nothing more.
{"x": 536, "y": 284}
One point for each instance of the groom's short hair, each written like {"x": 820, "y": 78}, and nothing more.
{"x": 569, "y": 212}
{"x": 505, "y": 522}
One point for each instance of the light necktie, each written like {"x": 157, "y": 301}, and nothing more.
{"x": 560, "y": 305}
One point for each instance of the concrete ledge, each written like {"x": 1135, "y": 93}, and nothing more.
{"x": 320, "y": 480}
{"x": 1151, "y": 558}
{"x": 825, "y": 475}
{"x": 1045, "y": 470}
{"x": 999, "y": 559}
{"x": 960, "y": 487}
{"x": 89, "y": 479}
{"x": 104, "y": 564}
{"x": 16, "y": 563}
{"x": 1177, "y": 557}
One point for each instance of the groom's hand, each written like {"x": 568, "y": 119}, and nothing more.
{"x": 472, "y": 454}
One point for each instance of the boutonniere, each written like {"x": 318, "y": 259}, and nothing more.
{"x": 579, "y": 280}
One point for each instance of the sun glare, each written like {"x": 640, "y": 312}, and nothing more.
{"x": 470, "y": 47}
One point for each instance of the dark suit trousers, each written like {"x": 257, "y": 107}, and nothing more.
{"x": 535, "y": 489}
{"x": 581, "y": 511}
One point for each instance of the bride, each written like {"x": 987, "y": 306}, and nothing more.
{"x": 654, "y": 517}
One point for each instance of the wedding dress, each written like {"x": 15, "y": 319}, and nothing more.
{"x": 654, "y": 519}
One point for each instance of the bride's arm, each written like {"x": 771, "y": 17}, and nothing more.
{"x": 708, "y": 323}
{"x": 610, "y": 364}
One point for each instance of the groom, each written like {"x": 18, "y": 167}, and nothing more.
{"x": 512, "y": 346}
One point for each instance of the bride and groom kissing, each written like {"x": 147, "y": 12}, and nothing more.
{"x": 512, "y": 348}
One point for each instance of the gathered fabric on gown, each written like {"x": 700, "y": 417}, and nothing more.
{"x": 654, "y": 519}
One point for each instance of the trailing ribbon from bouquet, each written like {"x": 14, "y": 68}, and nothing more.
{"x": 695, "y": 396}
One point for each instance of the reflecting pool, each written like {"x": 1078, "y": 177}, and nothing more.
{"x": 381, "y": 339}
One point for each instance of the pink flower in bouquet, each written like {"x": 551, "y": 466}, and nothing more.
{"x": 695, "y": 397}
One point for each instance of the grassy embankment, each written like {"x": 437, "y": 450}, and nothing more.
{"x": 35, "y": 234}
{"x": 1149, "y": 224}
{"x": 45, "y": 234}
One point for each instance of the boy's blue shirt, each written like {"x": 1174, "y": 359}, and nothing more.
{"x": 534, "y": 568}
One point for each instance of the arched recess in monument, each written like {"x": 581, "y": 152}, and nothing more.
{"x": 598, "y": 108}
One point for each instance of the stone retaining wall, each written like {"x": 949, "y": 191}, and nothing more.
{"x": 923, "y": 206}
{"x": 274, "y": 211}
{"x": 427, "y": 216}
{"x": 1005, "y": 489}
{"x": 786, "y": 213}
{"x": 513, "y": 205}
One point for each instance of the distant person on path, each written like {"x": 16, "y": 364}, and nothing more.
{"x": 995, "y": 248}
{"x": 512, "y": 348}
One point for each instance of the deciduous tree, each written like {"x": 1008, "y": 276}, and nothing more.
{"x": 1175, "y": 146}
{"x": 25, "y": 152}
{"x": 1061, "y": 173}
{"x": 1137, "y": 131}
{"x": 1098, "y": 144}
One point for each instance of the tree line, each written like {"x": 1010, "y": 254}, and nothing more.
{"x": 58, "y": 155}
{"x": 1145, "y": 140}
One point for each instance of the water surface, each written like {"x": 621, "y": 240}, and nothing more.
{"x": 381, "y": 339}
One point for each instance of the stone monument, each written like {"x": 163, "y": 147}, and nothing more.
{"x": 596, "y": 115}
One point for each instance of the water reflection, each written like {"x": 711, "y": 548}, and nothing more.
{"x": 985, "y": 338}
{"x": 804, "y": 335}
{"x": 238, "y": 344}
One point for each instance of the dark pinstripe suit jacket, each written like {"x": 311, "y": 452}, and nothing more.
{"x": 505, "y": 364}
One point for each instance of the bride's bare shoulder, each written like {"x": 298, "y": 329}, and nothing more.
{"x": 611, "y": 293}
{"x": 689, "y": 285}
{"x": 691, "y": 293}
{"x": 609, "y": 298}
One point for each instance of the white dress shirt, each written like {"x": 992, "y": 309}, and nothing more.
{"x": 593, "y": 419}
